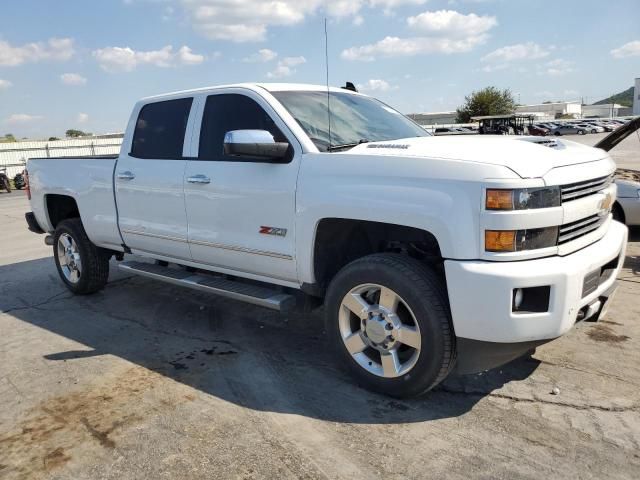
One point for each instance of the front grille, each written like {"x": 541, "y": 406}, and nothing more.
{"x": 580, "y": 228}
{"x": 574, "y": 191}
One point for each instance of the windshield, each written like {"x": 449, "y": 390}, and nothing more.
{"x": 354, "y": 118}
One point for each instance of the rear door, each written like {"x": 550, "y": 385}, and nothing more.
{"x": 149, "y": 180}
{"x": 241, "y": 211}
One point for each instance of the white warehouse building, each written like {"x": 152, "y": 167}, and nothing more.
{"x": 551, "y": 110}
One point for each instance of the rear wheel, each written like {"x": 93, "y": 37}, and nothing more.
{"x": 6, "y": 185}
{"x": 594, "y": 131}
{"x": 82, "y": 266}
{"x": 389, "y": 322}
{"x": 581, "y": 132}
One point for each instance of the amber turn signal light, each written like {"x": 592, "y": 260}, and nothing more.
{"x": 500, "y": 240}
{"x": 499, "y": 199}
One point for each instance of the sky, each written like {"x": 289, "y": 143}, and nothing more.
{"x": 78, "y": 64}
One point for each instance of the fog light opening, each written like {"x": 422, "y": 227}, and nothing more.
{"x": 530, "y": 299}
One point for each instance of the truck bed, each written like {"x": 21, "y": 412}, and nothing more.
{"x": 88, "y": 180}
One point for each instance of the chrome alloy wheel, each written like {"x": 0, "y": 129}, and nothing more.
{"x": 379, "y": 330}
{"x": 69, "y": 258}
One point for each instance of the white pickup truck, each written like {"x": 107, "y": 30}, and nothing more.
{"x": 432, "y": 254}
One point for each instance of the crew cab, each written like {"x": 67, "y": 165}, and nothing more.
{"x": 431, "y": 254}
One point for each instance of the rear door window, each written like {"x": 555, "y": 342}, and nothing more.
{"x": 161, "y": 128}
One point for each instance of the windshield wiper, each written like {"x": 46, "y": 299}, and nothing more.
{"x": 344, "y": 146}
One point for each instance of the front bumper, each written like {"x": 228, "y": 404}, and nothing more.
{"x": 480, "y": 292}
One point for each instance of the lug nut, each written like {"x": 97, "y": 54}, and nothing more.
{"x": 388, "y": 326}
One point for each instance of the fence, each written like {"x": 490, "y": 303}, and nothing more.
{"x": 13, "y": 156}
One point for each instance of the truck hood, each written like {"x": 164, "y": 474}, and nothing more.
{"x": 529, "y": 157}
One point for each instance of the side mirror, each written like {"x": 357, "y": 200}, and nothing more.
{"x": 254, "y": 144}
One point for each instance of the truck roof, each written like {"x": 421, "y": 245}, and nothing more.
{"x": 271, "y": 87}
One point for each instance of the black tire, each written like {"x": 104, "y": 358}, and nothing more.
{"x": 618, "y": 213}
{"x": 95, "y": 260}
{"x": 581, "y": 132}
{"x": 425, "y": 293}
{"x": 557, "y": 134}
{"x": 6, "y": 185}
{"x": 594, "y": 131}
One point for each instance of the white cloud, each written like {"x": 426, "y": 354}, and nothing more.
{"x": 630, "y": 49}
{"x": 4, "y": 84}
{"x": 376, "y": 85}
{"x": 358, "y": 20}
{"x": 519, "y": 51}
{"x": 261, "y": 56}
{"x": 285, "y": 67}
{"x": 450, "y": 23}
{"x": 249, "y": 20}
{"x": 125, "y": 59}
{"x": 186, "y": 56}
{"x": 82, "y": 118}
{"x": 556, "y": 68}
{"x": 394, "y": 46}
{"x": 73, "y": 79}
{"x": 55, "y": 49}
{"x": 22, "y": 118}
{"x": 444, "y": 31}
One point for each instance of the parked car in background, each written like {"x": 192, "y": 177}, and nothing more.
{"x": 537, "y": 130}
{"x": 626, "y": 209}
{"x": 568, "y": 130}
{"x": 590, "y": 127}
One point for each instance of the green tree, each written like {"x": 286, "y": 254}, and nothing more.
{"x": 51, "y": 139}
{"x": 9, "y": 137}
{"x": 488, "y": 101}
{"x": 72, "y": 133}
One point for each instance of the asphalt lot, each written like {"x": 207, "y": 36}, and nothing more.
{"x": 146, "y": 380}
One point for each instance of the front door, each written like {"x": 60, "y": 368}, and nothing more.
{"x": 241, "y": 211}
{"x": 149, "y": 181}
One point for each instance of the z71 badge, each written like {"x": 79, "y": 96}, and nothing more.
{"x": 278, "y": 232}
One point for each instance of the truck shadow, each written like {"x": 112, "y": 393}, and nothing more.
{"x": 243, "y": 354}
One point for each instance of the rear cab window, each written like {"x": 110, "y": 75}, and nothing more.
{"x": 160, "y": 129}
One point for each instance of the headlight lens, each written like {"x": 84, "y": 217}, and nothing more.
{"x": 519, "y": 240}
{"x": 522, "y": 198}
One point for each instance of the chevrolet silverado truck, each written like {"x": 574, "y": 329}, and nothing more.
{"x": 432, "y": 255}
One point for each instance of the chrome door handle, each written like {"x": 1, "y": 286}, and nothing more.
{"x": 126, "y": 175}
{"x": 199, "y": 179}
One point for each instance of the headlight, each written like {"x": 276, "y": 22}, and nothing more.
{"x": 519, "y": 240}
{"x": 522, "y": 198}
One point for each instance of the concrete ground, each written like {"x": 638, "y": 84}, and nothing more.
{"x": 146, "y": 380}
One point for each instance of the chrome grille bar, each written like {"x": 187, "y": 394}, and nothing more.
{"x": 579, "y": 228}
{"x": 573, "y": 191}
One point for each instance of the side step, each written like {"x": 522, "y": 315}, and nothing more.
{"x": 256, "y": 295}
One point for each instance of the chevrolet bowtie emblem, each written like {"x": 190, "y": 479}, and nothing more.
{"x": 606, "y": 202}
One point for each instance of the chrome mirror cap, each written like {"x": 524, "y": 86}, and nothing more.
{"x": 248, "y": 136}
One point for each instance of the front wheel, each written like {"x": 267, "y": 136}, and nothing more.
{"x": 389, "y": 322}
{"x": 594, "y": 131}
{"x": 82, "y": 266}
{"x": 6, "y": 184}
{"x": 581, "y": 132}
